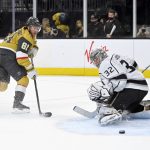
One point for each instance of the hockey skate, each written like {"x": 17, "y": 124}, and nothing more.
{"x": 18, "y": 107}
{"x": 146, "y": 105}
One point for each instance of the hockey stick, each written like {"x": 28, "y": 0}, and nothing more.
{"x": 89, "y": 114}
{"x": 145, "y": 69}
{"x": 47, "y": 114}
{"x": 85, "y": 113}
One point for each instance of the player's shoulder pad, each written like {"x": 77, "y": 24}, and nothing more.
{"x": 116, "y": 56}
{"x": 26, "y": 35}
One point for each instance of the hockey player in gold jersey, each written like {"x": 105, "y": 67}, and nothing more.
{"x": 15, "y": 53}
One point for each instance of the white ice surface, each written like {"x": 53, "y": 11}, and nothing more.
{"x": 65, "y": 130}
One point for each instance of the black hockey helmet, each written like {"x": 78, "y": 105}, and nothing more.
{"x": 33, "y": 21}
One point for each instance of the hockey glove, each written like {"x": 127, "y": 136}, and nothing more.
{"x": 98, "y": 92}
{"x": 32, "y": 53}
{"x": 93, "y": 93}
{"x": 32, "y": 74}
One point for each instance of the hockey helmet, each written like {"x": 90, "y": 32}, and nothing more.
{"x": 97, "y": 56}
{"x": 33, "y": 21}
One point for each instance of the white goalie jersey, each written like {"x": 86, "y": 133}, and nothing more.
{"x": 120, "y": 72}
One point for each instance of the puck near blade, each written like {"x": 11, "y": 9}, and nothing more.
{"x": 121, "y": 131}
{"x": 48, "y": 114}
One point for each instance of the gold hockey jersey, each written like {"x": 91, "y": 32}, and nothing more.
{"x": 20, "y": 42}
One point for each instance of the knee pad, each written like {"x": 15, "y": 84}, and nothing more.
{"x": 3, "y": 86}
{"x": 24, "y": 81}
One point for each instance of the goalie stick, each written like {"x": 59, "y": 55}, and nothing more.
{"x": 86, "y": 113}
{"x": 145, "y": 69}
{"x": 93, "y": 114}
{"x": 89, "y": 114}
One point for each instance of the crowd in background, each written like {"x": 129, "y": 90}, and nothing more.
{"x": 64, "y": 18}
{"x": 99, "y": 26}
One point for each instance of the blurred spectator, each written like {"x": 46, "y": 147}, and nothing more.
{"x": 78, "y": 29}
{"x": 61, "y": 21}
{"x": 48, "y": 31}
{"x": 143, "y": 32}
{"x": 96, "y": 27}
{"x": 28, "y": 4}
{"x": 113, "y": 28}
{"x": 119, "y": 6}
{"x": 46, "y": 28}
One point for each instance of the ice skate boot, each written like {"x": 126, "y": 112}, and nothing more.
{"x": 18, "y": 107}
{"x": 147, "y": 107}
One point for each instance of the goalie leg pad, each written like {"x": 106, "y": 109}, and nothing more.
{"x": 108, "y": 115}
{"x": 110, "y": 119}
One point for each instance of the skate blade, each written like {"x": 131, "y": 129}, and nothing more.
{"x": 20, "y": 111}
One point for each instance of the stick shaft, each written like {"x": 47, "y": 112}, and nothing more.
{"x": 145, "y": 69}
{"x": 36, "y": 90}
{"x": 37, "y": 96}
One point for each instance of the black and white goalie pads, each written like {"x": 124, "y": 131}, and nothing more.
{"x": 99, "y": 92}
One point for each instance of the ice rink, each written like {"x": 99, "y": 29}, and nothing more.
{"x": 65, "y": 130}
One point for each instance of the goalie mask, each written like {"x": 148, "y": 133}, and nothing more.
{"x": 97, "y": 56}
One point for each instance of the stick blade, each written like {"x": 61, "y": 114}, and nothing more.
{"x": 47, "y": 114}
{"x": 84, "y": 112}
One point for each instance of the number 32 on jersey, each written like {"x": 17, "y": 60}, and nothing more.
{"x": 109, "y": 71}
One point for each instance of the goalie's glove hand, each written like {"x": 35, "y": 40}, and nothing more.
{"x": 93, "y": 93}
{"x": 32, "y": 74}
{"x": 98, "y": 92}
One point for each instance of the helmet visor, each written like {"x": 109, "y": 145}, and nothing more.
{"x": 36, "y": 28}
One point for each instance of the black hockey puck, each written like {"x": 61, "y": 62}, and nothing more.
{"x": 121, "y": 131}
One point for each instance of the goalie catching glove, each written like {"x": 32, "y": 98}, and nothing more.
{"x": 99, "y": 92}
